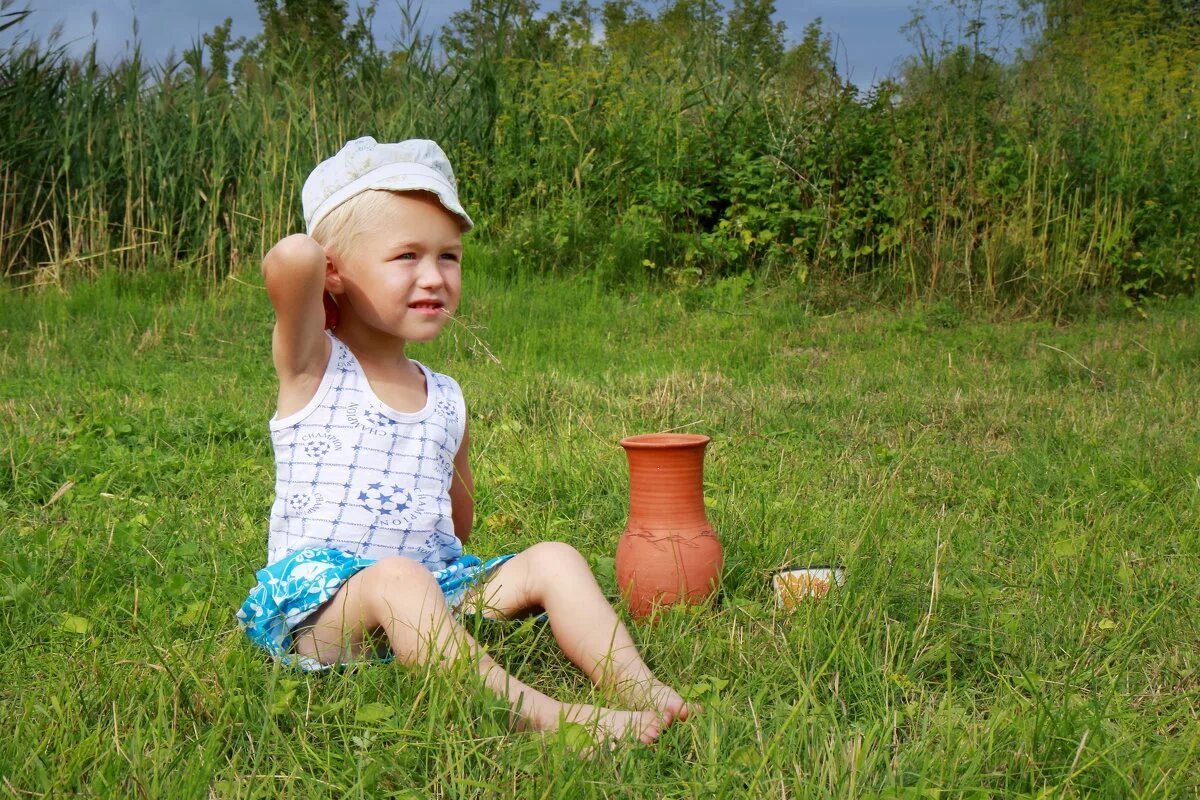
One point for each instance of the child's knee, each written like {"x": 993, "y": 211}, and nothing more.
{"x": 397, "y": 579}
{"x": 557, "y": 557}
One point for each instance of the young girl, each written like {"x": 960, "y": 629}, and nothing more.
{"x": 373, "y": 487}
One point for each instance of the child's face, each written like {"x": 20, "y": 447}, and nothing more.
{"x": 403, "y": 274}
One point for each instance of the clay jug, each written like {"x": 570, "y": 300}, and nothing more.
{"x": 668, "y": 552}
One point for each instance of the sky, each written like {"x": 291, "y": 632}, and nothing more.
{"x": 866, "y": 33}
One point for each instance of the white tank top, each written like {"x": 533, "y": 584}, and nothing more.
{"x": 354, "y": 474}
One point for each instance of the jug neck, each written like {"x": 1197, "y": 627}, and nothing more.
{"x": 666, "y": 481}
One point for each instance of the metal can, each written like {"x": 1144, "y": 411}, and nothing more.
{"x": 794, "y": 584}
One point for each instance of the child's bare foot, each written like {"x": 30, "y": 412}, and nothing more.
{"x": 659, "y": 697}
{"x": 609, "y": 724}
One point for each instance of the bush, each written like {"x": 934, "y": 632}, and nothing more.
{"x": 690, "y": 145}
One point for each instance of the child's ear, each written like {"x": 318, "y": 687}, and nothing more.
{"x": 333, "y": 284}
{"x": 333, "y": 275}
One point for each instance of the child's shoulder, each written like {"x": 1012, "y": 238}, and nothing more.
{"x": 442, "y": 380}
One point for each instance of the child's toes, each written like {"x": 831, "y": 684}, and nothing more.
{"x": 670, "y": 705}
{"x": 650, "y": 727}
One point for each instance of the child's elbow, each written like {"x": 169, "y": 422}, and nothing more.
{"x": 296, "y": 253}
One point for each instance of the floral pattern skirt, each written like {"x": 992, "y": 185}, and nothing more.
{"x": 296, "y": 585}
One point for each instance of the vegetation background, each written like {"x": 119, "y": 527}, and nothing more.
{"x": 683, "y": 225}
{"x": 688, "y": 143}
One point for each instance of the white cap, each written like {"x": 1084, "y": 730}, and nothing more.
{"x": 411, "y": 165}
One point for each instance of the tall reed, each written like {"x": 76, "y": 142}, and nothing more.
{"x": 679, "y": 146}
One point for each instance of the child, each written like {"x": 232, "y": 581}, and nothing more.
{"x": 373, "y": 488}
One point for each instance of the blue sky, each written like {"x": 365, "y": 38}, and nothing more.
{"x": 866, "y": 33}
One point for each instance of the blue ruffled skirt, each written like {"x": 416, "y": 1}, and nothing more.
{"x": 296, "y": 585}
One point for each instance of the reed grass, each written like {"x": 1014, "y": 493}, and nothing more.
{"x": 655, "y": 153}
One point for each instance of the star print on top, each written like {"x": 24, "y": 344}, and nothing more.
{"x": 354, "y": 474}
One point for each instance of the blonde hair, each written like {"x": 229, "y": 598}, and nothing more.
{"x": 338, "y": 230}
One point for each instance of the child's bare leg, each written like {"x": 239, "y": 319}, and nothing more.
{"x": 401, "y": 598}
{"x": 555, "y": 577}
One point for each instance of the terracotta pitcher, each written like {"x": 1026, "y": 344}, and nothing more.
{"x": 668, "y": 552}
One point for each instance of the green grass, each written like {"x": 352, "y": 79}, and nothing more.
{"x": 1015, "y": 504}
{"x": 690, "y": 140}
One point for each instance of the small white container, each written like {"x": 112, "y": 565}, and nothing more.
{"x": 794, "y": 585}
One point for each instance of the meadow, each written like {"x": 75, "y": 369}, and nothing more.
{"x": 1014, "y": 502}
{"x": 943, "y": 332}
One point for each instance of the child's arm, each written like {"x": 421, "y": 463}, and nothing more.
{"x": 462, "y": 492}
{"x": 294, "y": 270}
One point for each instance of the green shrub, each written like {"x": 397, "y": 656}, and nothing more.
{"x": 688, "y": 144}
